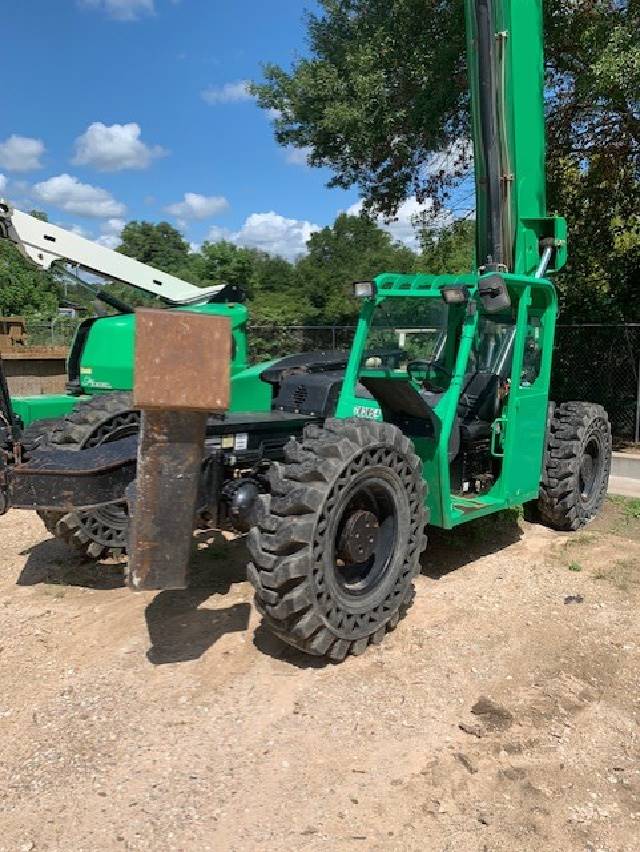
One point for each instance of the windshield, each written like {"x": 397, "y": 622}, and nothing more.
{"x": 404, "y": 330}
{"x": 492, "y": 351}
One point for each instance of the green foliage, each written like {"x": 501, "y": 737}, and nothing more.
{"x": 317, "y": 288}
{"x": 25, "y": 289}
{"x": 384, "y": 87}
{"x": 449, "y": 250}
{"x": 379, "y": 70}
{"x": 159, "y": 245}
{"x": 226, "y": 263}
{"x": 353, "y": 248}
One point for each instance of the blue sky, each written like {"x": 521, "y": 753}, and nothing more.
{"x": 137, "y": 109}
{"x": 115, "y": 109}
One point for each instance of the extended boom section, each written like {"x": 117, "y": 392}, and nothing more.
{"x": 44, "y": 243}
{"x": 506, "y": 74}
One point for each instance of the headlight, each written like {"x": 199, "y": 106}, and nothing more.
{"x": 364, "y": 289}
{"x": 455, "y": 295}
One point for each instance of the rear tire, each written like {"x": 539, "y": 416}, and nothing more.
{"x": 576, "y": 467}
{"x": 100, "y": 532}
{"x": 338, "y": 540}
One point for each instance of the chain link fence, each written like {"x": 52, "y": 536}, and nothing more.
{"x": 56, "y": 332}
{"x": 266, "y": 342}
{"x": 601, "y": 363}
{"x": 595, "y": 362}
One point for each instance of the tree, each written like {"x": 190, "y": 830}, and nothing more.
{"x": 449, "y": 249}
{"x": 352, "y": 248}
{"x": 25, "y": 289}
{"x": 385, "y": 87}
{"x": 278, "y": 296}
{"x": 226, "y": 263}
{"x": 159, "y": 245}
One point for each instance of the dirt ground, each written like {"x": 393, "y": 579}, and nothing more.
{"x": 502, "y": 714}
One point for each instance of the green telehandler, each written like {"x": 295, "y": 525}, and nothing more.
{"x": 441, "y": 414}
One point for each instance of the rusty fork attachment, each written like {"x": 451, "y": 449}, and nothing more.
{"x": 181, "y": 378}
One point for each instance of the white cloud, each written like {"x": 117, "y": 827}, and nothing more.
{"x": 217, "y": 234}
{"x": 82, "y": 199}
{"x": 111, "y": 233}
{"x": 228, "y": 93}
{"x": 80, "y": 231}
{"x": 297, "y": 156}
{"x": 121, "y": 10}
{"x": 3, "y": 183}
{"x": 21, "y": 153}
{"x": 404, "y": 230}
{"x": 270, "y": 232}
{"x": 113, "y": 148}
{"x": 195, "y": 206}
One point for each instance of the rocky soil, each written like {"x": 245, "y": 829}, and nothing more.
{"x": 502, "y": 714}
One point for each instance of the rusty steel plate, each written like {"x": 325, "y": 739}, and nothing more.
{"x": 164, "y": 504}
{"x": 182, "y": 361}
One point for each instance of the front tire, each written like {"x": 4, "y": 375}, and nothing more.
{"x": 576, "y": 468}
{"x": 338, "y": 540}
{"x": 102, "y": 532}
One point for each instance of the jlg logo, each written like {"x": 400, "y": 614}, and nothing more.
{"x": 367, "y": 413}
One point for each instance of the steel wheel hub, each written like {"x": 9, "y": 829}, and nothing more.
{"x": 359, "y": 536}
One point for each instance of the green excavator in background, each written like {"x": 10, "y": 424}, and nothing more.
{"x": 441, "y": 414}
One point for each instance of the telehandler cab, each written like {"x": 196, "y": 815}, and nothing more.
{"x": 440, "y": 416}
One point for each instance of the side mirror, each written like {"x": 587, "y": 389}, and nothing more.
{"x": 494, "y": 294}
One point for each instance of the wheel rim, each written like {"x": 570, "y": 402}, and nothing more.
{"x": 365, "y": 537}
{"x": 591, "y": 466}
{"x": 109, "y": 525}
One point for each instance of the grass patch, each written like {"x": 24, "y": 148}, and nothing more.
{"x": 625, "y": 517}
{"x": 580, "y": 540}
{"x": 629, "y": 506}
{"x": 575, "y": 566}
{"x": 623, "y": 574}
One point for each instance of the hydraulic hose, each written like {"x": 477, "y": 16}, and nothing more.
{"x": 489, "y": 132}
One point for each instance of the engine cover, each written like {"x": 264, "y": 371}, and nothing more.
{"x": 309, "y": 393}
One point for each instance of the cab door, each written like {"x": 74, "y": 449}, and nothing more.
{"x": 524, "y": 424}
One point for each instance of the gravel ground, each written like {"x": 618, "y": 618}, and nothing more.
{"x": 502, "y": 714}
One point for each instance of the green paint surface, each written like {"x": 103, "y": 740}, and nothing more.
{"x": 107, "y": 361}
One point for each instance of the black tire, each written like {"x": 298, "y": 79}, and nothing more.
{"x": 349, "y": 475}
{"x": 576, "y": 466}
{"x": 37, "y": 435}
{"x": 101, "y": 532}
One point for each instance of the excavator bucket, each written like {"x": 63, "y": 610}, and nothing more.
{"x": 181, "y": 378}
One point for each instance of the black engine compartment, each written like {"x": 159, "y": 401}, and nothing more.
{"x": 308, "y": 383}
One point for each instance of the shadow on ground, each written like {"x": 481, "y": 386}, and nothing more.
{"x": 449, "y": 550}
{"x": 268, "y": 643}
{"x": 179, "y": 630}
{"x": 53, "y": 562}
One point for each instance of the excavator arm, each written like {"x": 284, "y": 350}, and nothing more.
{"x": 44, "y": 243}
